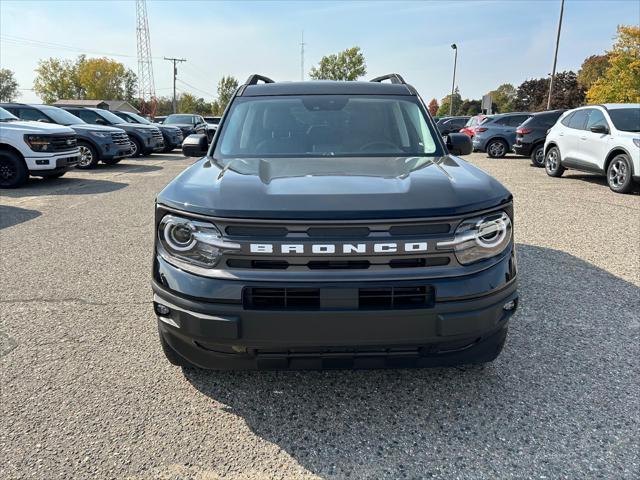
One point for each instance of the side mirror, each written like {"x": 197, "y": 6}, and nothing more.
{"x": 459, "y": 144}
{"x": 195, "y": 145}
{"x": 600, "y": 129}
{"x": 101, "y": 121}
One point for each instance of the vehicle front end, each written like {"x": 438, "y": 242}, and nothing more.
{"x": 336, "y": 254}
{"x": 50, "y": 153}
{"x": 110, "y": 143}
{"x": 172, "y": 136}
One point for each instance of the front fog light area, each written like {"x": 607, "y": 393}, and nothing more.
{"x": 190, "y": 241}
{"x": 481, "y": 237}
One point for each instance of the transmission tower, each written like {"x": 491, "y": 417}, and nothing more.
{"x": 146, "y": 85}
{"x": 302, "y": 44}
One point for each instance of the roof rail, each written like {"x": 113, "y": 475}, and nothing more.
{"x": 255, "y": 78}
{"x": 394, "y": 77}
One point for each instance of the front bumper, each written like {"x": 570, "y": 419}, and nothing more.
{"x": 223, "y": 332}
{"x": 153, "y": 144}
{"x": 52, "y": 163}
{"x": 111, "y": 151}
{"x": 172, "y": 140}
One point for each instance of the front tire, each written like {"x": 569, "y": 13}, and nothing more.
{"x": 619, "y": 174}
{"x": 497, "y": 148}
{"x": 13, "y": 171}
{"x": 136, "y": 147}
{"x": 553, "y": 163}
{"x": 88, "y": 156}
{"x": 537, "y": 156}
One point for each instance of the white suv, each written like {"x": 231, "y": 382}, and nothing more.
{"x": 34, "y": 148}
{"x": 600, "y": 139}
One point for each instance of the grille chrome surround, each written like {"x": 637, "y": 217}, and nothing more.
{"x": 63, "y": 143}
{"x": 120, "y": 138}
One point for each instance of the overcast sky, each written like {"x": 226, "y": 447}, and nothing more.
{"x": 498, "y": 41}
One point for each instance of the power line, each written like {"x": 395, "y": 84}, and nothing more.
{"x": 196, "y": 88}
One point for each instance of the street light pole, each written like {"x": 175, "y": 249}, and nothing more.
{"x": 453, "y": 84}
{"x": 555, "y": 56}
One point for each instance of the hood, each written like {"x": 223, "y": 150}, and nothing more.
{"x": 87, "y": 127}
{"x": 166, "y": 127}
{"x": 627, "y": 135}
{"x": 333, "y": 188}
{"x": 181, "y": 126}
{"x": 36, "y": 127}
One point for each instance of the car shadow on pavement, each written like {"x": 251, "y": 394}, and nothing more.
{"x": 595, "y": 179}
{"x": 124, "y": 168}
{"x": 561, "y": 400}
{"x": 62, "y": 186}
{"x": 10, "y": 216}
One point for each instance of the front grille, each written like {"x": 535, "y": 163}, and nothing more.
{"x": 332, "y": 298}
{"x": 61, "y": 143}
{"x": 157, "y": 134}
{"x": 120, "y": 138}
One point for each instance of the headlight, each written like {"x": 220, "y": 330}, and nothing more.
{"x": 100, "y": 134}
{"x": 480, "y": 237}
{"x": 143, "y": 130}
{"x": 191, "y": 241}
{"x": 637, "y": 142}
{"x": 38, "y": 143}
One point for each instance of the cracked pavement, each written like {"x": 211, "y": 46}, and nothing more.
{"x": 87, "y": 393}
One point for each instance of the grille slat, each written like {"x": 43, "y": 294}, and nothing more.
{"x": 61, "y": 143}
{"x": 120, "y": 138}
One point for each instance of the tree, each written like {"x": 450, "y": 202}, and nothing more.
{"x": 94, "y": 78}
{"x": 621, "y": 82}
{"x": 531, "y": 95}
{"x": 56, "y": 79}
{"x": 503, "y": 97}
{"x": 8, "y": 86}
{"x": 227, "y": 87}
{"x": 346, "y": 65}
{"x": 593, "y": 68}
{"x": 470, "y": 107}
{"x": 443, "y": 111}
{"x": 433, "y": 107}
{"x": 186, "y": 103}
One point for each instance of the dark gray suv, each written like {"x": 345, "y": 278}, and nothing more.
{"x": 496, "y": 134}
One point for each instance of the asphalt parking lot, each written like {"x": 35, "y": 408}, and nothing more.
{"x": 87, "y": 393}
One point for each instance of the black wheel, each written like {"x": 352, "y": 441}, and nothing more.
{"x": 111, "y": 161}
{"x": 537, "y": 156}
{"x": 13, "y": 171}
{"x": 553, "y": 163}
{"x": 172, "y": 356}
{"x": 619, "y": 174}
{"x": 88, "y": 156}
{"x": 136, "y": 147}
{"x": 497, "y": 148}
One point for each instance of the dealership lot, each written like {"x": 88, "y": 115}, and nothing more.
{"x": 87, "y": 393}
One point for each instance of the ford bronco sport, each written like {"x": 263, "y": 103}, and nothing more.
{"x": 329, "y": 225}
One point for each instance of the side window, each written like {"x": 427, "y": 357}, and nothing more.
{"x": 32, "y": 114}
{"x": 578, "y": 120}
{"x": 516, "y": 120}
{"x": 503, "y": 122}
{"x": 596, "y": 117}
{"x": 565, "y": 121}
{"x": 88, "y": 116}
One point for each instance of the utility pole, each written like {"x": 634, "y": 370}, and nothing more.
{"x": 302, "y": 44}
{"x": 453, "y": 84}
{"x": 555, "y": 56}
{"x": 175, "y": 74}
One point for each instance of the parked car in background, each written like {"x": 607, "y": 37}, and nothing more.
{"x": 97, "y": 143}
{"x": 188, "y": 123}
{"x": 470, "y": 127}
{"x": 601, "y": 139}
{"x": 160, "y": 119}
{"x": 212, "y": 126}
{"x": 447, "y": 125}
{"x": 530, "y": 136}
{"x": 144, "y": 139}
{"x": 172, "y": 136}
{"x": 34, "y": 148}
{"x": 496, "y": 134}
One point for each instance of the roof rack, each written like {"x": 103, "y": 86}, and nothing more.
{"x": 394, "y": 77}
{"x": 255, "y": 78}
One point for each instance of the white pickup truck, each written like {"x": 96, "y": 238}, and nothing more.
{"x": 34, "y": 148}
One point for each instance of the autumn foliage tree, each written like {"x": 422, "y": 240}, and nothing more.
{"x": 433, "y": 107}
{"x": 621, "y": 81}
{"x": 532, "y": 95}
{"x": 593, "y": 68}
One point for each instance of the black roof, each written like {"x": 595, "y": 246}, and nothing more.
{"x": 326, "y": 87}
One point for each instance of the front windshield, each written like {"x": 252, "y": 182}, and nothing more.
{"x": 137, "y": 118}
{"x": 326, "y": 125}
{"x": 110, "y": 117}
{"x": 179, "y": 119}
{"x": 6, "y": 116}
{"x": 626, "y": 119}
{"x": 61, "y": 117}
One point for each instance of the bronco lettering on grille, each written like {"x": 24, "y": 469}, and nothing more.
{"x": 343, "y": 248}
